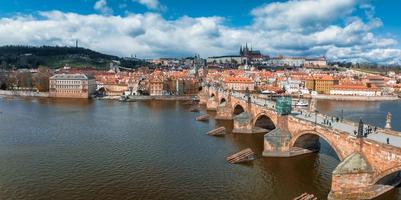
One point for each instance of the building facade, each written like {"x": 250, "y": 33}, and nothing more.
{"x": 355, "y": 90}
{"x": 72, "y": 86}
{"x": 239, "y": 84}
{"x": 156, "y": 86}
{"x": 226, "y": 59}
{"x": 321, "y": 84}
{"x": 315, "y": 62}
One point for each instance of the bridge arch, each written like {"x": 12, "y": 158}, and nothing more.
{"x": 102, "y": 91}
{"x": 222, "y": 100}
{"x": 238, "y": 109}
{"x": 263, "y": 120}
{"x": 387, "y": 173}
{"x": 306, "y": 139}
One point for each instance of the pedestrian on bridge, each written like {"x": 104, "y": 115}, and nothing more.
{"x": 388, "y": 140}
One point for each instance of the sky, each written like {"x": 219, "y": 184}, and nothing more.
{"x": 340, "y": 30}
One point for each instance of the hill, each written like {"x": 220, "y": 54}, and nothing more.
{"x": 55, "y": 57}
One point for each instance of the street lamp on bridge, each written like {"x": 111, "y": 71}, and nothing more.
{"x": 360, "y": 129}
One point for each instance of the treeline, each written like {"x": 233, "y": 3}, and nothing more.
{"x": 368, "y": 66}
{"x": 25, "y": 80}
{"x": 52, "y": 51}
{"x": 18, "y": 57}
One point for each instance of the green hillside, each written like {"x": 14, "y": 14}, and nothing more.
{"x": 55, "y": 57}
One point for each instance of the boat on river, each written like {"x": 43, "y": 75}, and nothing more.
{"x": 301, "y": 103}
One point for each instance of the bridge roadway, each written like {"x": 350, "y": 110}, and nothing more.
{"x": 345, "y": 126}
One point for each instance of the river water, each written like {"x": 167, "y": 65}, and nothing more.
{"x": 54, "y": 149}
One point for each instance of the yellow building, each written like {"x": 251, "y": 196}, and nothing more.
{"x": 324, "y": 84}
{"x": 321, "y": 84}
{"x": 310, "y": 84}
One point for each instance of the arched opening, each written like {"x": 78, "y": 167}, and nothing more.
{"x": 101, "y": 92}
{"x": 238, "y": 109}
{"x": 315, "y": 143}
{"x": 211, "y": 96}
{"x": 390, "y": 179}
{"x": 264, "y": 122}
{"x": 388, "y": 182}
{"x": 223, "y": 100}
{"x": 200, "y": 88}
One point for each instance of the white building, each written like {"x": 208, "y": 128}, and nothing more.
{"x": 226, "y": 59}
{"x": 355, "y": 90}
{"x": 292, "y": 86}
{"x": 287, "y": 61}
{"x": 315, "y": 62}
{"x": 72, "y": 86}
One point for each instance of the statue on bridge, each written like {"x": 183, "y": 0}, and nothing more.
{"x": 388, "y": 121}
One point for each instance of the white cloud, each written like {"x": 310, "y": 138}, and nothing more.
{"x": 102, "y": 7}
{"x": 341, "y": 36}
{"x": 151, "y": 4}
{"x": 302, "y": 15}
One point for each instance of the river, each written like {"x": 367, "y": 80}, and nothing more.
{"x": 83, "y": 149}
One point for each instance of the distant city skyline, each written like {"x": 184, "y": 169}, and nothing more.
{"x": 349, "y": 30}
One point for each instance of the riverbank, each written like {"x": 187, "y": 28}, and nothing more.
{"x": 161, "y": 98}
{"x": 23, "y": 93}
{"x": 131, "y": 98}
{"x": 353, "y": 98}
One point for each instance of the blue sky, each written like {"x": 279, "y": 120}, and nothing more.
{"x": 354, "y": 30}
{"x": 236, "y": 11}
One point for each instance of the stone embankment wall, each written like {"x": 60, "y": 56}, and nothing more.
{"x": 163, "y": 98}
{"x": 23, "y": 93}
{"x": 354, "y": 98}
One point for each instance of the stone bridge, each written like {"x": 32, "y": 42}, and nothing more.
{"x": 368, "y": 168}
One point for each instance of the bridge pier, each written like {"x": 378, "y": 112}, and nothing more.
{"x": 224, "y": 111}
{"x": 352, "y": 179}
{"x": 276, "y": 143}
{"x": 203, "y": 98}
{"x": 243, "y": 123}
{"x": 211, "y": 104}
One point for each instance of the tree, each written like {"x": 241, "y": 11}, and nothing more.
{"x": 24, "y": 79}
{"x": 41, "y": 79}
